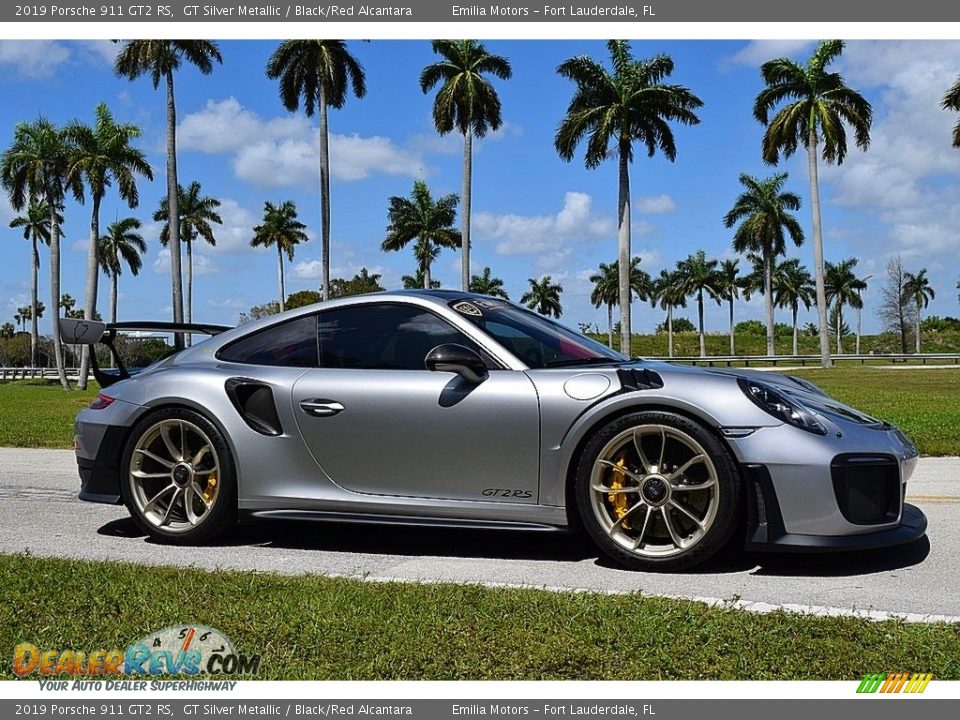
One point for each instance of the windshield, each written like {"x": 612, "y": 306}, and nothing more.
{"x": 535, "y": 340}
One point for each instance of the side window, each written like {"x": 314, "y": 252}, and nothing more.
{"x": 383, "y": 337}
{"x": 290, "y": 344}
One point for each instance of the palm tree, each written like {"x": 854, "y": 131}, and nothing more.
{"x": 468, "y": 102}
{"x": 612, "y": 111}
{"x": 21, "y": 316}
{"x": 951, "y": 101}
{"x": 842, "y": 287}
{"x": 282, "y": 229}
{"x": 918, "y": 289}
{"x": 35, "y": 168}
{"x": 487, "y": 284}
{"x": 417, "y": 280}
{"x": 7, "y": 330}
{"x": 160, "y": 59}
{"x": 697, "y": 274}
{"x": 606, "y": 289}
{"x": 543, "y": 297}
{"x": 763, "y": 210}
{"x": 730, "y": 286}
{"x": 36, "y": 227}
{"x": 668, "y": 293}
{"x": 320, "y": 73}
{"x": 793, "y": 286}
{"x": 122, "y": 244}
{"x": 428, "y": 222}
{"x": 818, "y": 105}
{"x": 103, "y": 156}
{"x": 196, "y": 212}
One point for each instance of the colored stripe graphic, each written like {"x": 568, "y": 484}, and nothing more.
{"x": 894, "y": 683}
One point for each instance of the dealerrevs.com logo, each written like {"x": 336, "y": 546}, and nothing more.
{"x": 176, "y": 650}
{"x": 894, "y": 683}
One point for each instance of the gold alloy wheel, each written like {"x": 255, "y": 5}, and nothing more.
{"x": 654, "y": 490}
{"x": 174, "y": 475}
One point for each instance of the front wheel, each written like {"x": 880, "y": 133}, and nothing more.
{"x": 657, "y": 491}
{"x": 177, "y": 478}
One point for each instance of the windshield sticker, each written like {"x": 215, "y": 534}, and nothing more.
{"x": 467, "y": 308}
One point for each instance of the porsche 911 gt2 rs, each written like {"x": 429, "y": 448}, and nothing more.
{"x": 450, "y": 408}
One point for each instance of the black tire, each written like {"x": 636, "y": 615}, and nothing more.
{"x": 728, "y": 495}
{"x": 223, "y": 513}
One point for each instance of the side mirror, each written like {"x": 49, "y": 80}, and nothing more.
{"x": 457, "y": 359}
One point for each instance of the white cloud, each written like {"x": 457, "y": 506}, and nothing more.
{"x": 308, "y": 269}
{"x": 102, "y": 50}
{"x": 229, "y": 303}
{"x": 655, "y": 204}
{"x": 531, "y": 234}
{"x": 757, "y": 52}
{"x": 202, "y": 264}
{"x": 282, "y": 151}
{"x": 908, "y": 176}
{"x": 32, "y": 58}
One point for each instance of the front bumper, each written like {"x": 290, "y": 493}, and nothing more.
{"x": 766, "y": 531}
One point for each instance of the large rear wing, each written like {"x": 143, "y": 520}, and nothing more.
{"x": 75, "y": 331}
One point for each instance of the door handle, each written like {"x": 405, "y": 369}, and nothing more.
{"x": 321, "y": 408}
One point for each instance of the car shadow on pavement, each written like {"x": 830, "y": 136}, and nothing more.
{"x": 864, "y": 562}
{"x": 415, "y": 541}
{"x": 399, "y": 540}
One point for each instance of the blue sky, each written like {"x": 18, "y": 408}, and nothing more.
{"x": 533, "y": 213}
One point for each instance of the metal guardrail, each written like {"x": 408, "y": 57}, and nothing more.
{"x": 803, "y": 360}
{"x": 30, "y": 373}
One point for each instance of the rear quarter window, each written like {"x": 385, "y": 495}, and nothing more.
{"x": 289, "y": 344}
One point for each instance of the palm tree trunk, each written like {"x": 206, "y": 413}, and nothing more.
{"x": 818, "y": 247}
{"x": 733, "y": 350}
{"x": 113, "y": 307}
{"x": 610, "y": 324}
{"x": 427, "y": 279}
{"x": 918, "y": 327}
{"x": 623, "y": 241}
{"x": 173, "y": 204}
{"x": 324, "y": 194}
{"x": 670, "y": 330}
{"x": 839, "y": 325}
{"x": 55, "y": 292}
{"x": 703, "y": 346}
{"x": 859, "y": 313}
{"x": 283, "y": 291}
{"x": 465, "y": 216}
{"x": 93, "y": 275}
{"x": 768, "y": 298}
{"x": 796, "y": 338}
{"x": 113, "y": 298}
{"x": 34, "y": 332}
{"x": 189, "y": 301}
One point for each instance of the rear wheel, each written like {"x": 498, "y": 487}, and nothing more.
{"x": 177, "y": 478}
{"x": 657, "y": 491}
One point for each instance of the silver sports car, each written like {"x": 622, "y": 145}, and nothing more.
{"x": 448, "y": 408}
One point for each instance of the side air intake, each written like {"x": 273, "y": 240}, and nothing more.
{"x": 254, "y": 401}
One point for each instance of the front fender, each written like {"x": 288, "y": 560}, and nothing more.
{"x": 717, "y": 402}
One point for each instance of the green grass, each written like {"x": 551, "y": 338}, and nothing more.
{"x": 326, "y": 628}
{"x": 925, "y": 404}
{"x": 39, "y": 413}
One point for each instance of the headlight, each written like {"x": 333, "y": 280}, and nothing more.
{"x": 775, "y": 403}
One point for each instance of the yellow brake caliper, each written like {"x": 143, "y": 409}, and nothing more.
{"x": 211, "y": 489}
{"x": 619, "y": 500}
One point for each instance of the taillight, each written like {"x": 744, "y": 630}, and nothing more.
{"x": 101, "y": 401}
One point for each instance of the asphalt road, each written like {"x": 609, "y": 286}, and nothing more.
{"x": 40, "y": 513}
